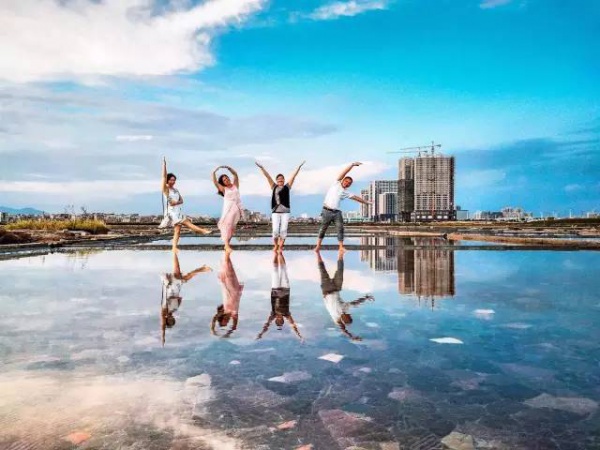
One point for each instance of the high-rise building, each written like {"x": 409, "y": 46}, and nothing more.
{"x": 406, "y": 189}
{"x": 426, "y": 271}
{"x": 376, "y": 188}
{"x": 379, "y": 259}
{"x": 388, "y": 206}
{"x": 434, "y": 187}
{"x": 364, "y": 209}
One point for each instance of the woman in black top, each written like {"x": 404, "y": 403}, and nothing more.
{"x": 280, "y": 205}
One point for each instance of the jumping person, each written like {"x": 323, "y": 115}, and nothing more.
{"x": 232, "y": 204}
{"x": 338, "y": 309}
{"x": 280, "y": 205}
{"x": 173, "y": 215}
{"x": 331, "y": 206}
{"x": 171, "y": 293}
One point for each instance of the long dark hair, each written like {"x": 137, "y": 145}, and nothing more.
{"x": 171, "y": 175}
{"x": 220, "y": 181}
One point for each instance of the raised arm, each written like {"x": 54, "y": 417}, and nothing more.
{"x": 236, "y": 179}
{"x": 293, "y": 177}
{"x": 163, "y": 187}
{"x": 215, "y": 181}
{"x": 361, "y": 300}
{"x": 348, "y": 169}
{"x": 266, "y": 174}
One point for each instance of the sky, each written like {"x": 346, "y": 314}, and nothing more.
{"x": 94, "y": 93}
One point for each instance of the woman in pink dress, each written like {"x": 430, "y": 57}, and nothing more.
{"x": 232, "y": 204}
{"x": 231, "y": 290}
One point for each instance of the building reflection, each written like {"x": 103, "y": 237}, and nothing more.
{"x": 425, "y": 265}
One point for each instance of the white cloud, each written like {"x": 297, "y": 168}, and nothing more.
{"x": 311, "y": 181}
{"x": 82, "y": 39}
{"x": 489, "y": 4}
{"x": 350, "y": 8}
{"x": 134, "y": 137}
{"x": 573, "y": 187}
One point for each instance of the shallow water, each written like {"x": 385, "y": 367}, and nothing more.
{"x": 81, "y": 351}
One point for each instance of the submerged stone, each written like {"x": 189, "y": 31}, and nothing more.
{"x": 459, "y": 441}
{"x": 292, "y": 377}
{"x": 576, "y": 405}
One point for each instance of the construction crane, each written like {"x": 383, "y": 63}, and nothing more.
{"x": 426, "y": 149}
{"x": 421, "y": 148}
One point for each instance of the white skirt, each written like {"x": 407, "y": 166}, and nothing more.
{"x": 173, "y": 216}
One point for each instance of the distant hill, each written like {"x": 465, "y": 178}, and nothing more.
{"x": 27, "y": 211}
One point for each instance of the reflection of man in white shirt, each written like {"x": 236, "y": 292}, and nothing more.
{"x": 331, "y": 206}
{"x": 338, "y": 309}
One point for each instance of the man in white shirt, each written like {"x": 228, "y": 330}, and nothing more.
{"x": 331, "y": 206}
{"x": 338, "y": 309}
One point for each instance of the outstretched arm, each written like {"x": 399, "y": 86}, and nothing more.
{"x": 293, "y": 177}
{"x": 348, "y": 169}
{"x": 164, "y": 177}
{"x": 295, "y": 328}
{"x": 266, "y": 326}
{"x": 195, "y": 272}
{"x": 361, "y": 200}
{"x": 347, "y": 333}
{"x": 215, "y": 181}
{"x": 236, "y": 179}
{"x": 361, "y": 300}
{"x": 266, "y": 174}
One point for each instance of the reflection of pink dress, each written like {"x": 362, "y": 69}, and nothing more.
{"x": 232, "y": 212}
{"x": 231, "y": 288}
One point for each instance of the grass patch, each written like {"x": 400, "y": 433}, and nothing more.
{"x": 90, "y": 225}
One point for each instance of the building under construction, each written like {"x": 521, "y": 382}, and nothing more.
{"x": 426, "y": 188}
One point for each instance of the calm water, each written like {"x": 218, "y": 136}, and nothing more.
{"x": 83, "y": 359}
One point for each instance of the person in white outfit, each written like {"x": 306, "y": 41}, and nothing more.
{"x": 280, "y": 205}
{"x": 173, "y": 214}
{"x": 338, "y": 309}
{"x": 280, "y": 298}
{"x": 331, "y": 206}
{"x": 171, "y": 293}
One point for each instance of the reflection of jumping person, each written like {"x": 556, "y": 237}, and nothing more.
{"x": 280, "y": 205}
{"x": 173, "y": 215}
{"x": 232, "y": 204}
{"x": 231, "y": 290}
{"x": 331, "y": 206}
{"x": 280, "y": 298}
{"x": 171, "y": 293}
{"x": 331, "y": 287}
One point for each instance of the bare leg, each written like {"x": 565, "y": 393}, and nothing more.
{"x": 318, "y": 247}
{"x": 188, "y": 223}
{"x": 281, "y": 243}
{"x": 228, "y": 248}
{"x": 342, "y": 249}
{"x": 275, "y": 244}
{"x": 176, "y": 234}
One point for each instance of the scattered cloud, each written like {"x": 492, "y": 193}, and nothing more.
{"x": 350, "y": 8}
{"x": 134, "y": 137}
{"x": 489, "y": 4}
{"x": 84, "y": 39}
{"x": 573, "y": 187}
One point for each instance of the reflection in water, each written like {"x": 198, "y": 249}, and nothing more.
{"x": 171, "y": 293}
{"x": 427, "y": 271}
{"x": 331, "y": 288}
{"x": 231, "y": 290}
{"x": 280, "y": 298}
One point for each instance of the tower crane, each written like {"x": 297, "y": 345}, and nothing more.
{"x": 421, "y": 148}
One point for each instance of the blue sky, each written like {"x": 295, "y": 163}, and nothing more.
{"x": 96, "y": 93}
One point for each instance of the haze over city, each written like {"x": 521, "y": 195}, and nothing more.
{"x": 507, "y": 87}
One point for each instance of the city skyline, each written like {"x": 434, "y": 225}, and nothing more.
{"x": 95, "y": 93}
